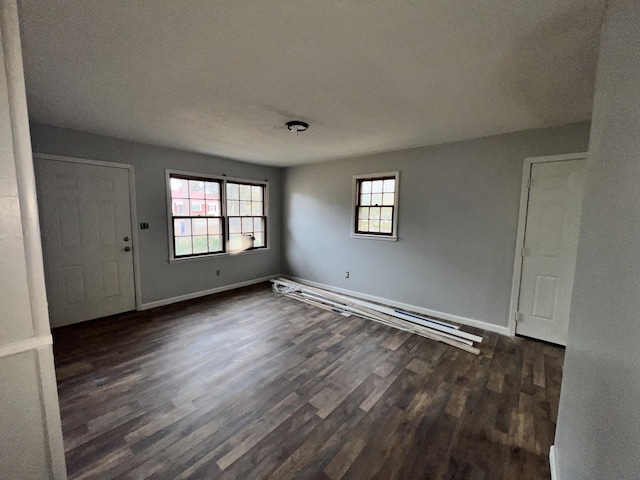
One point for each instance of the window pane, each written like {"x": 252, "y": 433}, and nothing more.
{"x": 213, "y": 208}
{"x": 258, "y": 225}
{"x": 387, "y": 198}
{"x": 385, "y": 226}
{"x": 245, "y": 208}
{"x": 365, "y": 199}
{"x": 200, "y": 244}
{"x": 212, "y": 190}
{"x": 215, "y": 243}
{"x": 199, "y": 226}
{"x": 386, "y": 212}
{"x": 183, "y": 246}
{"x": 179, "y": 188}
{"x": 247, "y": 225}
{"x": 363, "y": 212}
{"x": 235, "y": 242}
{"x": 376, "y": 199}
{"x": 365, "y": 187}
{"x": 256, "y": 209}
{"x": 363, "y": 225}
{"x": 182, "y": 228}
{"x": 180, "y": 207}
{"x": 376, "y": 186}
{"x": 196, "y": 189}
{"x": 197, "y": 207}
{"x": 374, "y": 226}
{"x": 233, "y": 208}
{"x": 245, "y": 192}
{"x": 259, "y": 241}
{"x": 389, "y": 185}
{"x": 233, "y": 191}
{"x": 215, "y": 226}
{"x": 374, "y": 213}
{"x": 256, "y": 193}
{"x": 235, "y": 225}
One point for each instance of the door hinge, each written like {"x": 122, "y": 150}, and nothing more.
{"x": 529, "y": 182}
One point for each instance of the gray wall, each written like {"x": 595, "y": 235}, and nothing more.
{"x": 159, "y": 279}
{"x": 598, "y": 432}
{"x": 30, "y": 433}
{"x": 458, "y": 214}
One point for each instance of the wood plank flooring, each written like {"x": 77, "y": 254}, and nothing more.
{"x": 253, "y": 385}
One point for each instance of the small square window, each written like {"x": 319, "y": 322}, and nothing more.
{"x": 376, "y": 206}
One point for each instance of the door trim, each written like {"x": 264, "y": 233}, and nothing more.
{"x": 132, "y": 205}
{"x": 522, "y": 222}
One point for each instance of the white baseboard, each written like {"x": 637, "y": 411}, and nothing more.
{"x": 202, "y": 293}
{"x": 471, "y": 322}
{"x": 552, "y": 463}
{"x": 405, "y": 306}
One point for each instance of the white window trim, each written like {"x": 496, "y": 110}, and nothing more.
{"x": 354, "y": 210}
{"x": 223, "y": 213}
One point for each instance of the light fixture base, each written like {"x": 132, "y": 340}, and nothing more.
{"x": 297, "y": 126}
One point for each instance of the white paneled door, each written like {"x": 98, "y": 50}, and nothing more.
{"x": 550, "y": 245}
{"x": 85, "y": 220}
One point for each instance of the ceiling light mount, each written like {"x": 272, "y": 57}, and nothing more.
{"x": 296, "y": 126}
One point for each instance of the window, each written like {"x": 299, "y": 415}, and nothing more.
{"x": 376, "y": 203}
{"x": 245, "y": 208}
{"x": 212, "y": 215}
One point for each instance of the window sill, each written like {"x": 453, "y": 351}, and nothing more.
{"x": 218, "y": 255}
{"x": 374, "y": 237}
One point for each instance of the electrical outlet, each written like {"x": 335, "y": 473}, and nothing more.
{"x": 346, "y": 275}
{"x": 218, "y": 273}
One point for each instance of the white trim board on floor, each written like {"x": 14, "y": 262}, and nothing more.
{"x": 470, "y": 322}
{"x": 203, "y": 293}
{"x": 552, "y": 463}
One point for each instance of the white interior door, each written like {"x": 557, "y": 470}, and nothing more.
{"x": 550, "y": 245}
{"x": 85, "y": 219}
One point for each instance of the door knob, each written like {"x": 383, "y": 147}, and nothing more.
{"x": 127, "y": 249}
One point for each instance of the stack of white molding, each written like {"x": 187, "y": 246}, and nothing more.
{"x": 408, "y": 322}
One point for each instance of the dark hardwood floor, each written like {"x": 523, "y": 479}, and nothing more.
{"x": 250, "y": 384}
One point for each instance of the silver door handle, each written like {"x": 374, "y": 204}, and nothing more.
{"x": 127, "y": 249}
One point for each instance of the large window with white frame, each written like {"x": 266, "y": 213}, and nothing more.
{"x": 214, "y": 215}
{"x": 376, "y": 206}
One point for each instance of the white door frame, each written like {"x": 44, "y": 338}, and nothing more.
{"x": 522, "y": 222}
{"x": 132, "y": 205}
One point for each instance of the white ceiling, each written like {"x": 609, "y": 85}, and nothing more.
{"x": 222, "y": 77}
